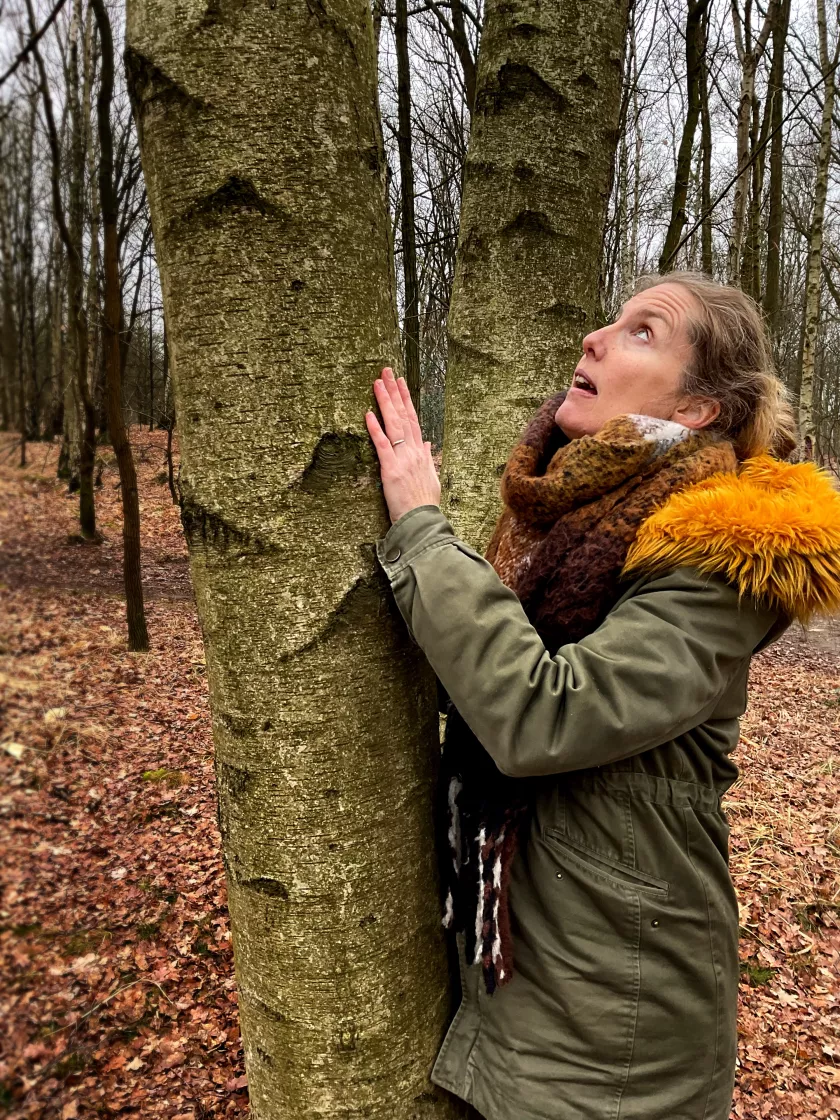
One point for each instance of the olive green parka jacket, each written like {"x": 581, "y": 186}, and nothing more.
{"x": 624, "y": 918}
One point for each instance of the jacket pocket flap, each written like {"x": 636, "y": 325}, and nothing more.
{"x": 629, "y": 878}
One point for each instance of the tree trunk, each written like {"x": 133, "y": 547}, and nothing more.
{"x": 536, "y": 186}
{"x": 751, "y": 279}
{"x": 706, "y": 255}
{"x": 411, "y": 322}
{"x": 68, "y": 459}
{"x": 138, "y": 638}
{"x": 807, "y": 429}
{"x": 79, "y": 138}
{"x": 775, "y": 93}
{"x": 749, "y": 55}
{"x": 265, "y": 169}
{"x": 8, "y": 329}
{"x": 71, "y": 230}
{"x": 461, "y": 42}
{"x": 694, "y": 50}
{"x": 30, "y": 388}
{"x": 55, "y": 423}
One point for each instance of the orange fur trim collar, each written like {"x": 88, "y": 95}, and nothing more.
{"x": 772, "y": 529}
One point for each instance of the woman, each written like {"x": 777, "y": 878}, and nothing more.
{"x": 596, "y": 663}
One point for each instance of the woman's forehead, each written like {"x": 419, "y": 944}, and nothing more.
{"x": 671, "y": 303}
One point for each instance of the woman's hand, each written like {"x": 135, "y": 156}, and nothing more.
{"x": 409, "y": 477}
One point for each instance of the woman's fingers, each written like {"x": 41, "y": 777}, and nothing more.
{"x": 394, "y": 423}
{"x": 410, "y": 413}
{"x": 404, "y": 409}
{"x": 384, "y": 450}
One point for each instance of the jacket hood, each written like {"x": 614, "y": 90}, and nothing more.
{"x": 772, "y": 530}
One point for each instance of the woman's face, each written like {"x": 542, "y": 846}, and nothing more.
{"x": 635, "y": 365}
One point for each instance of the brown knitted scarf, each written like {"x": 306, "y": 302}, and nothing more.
{"x": 572, "y": 510}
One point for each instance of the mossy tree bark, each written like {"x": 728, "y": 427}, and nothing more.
{"x": 537, "y": 179}
{"x": 264, "y": 164}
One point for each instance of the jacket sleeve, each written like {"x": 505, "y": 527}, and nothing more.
{"x": 653, "y": 670}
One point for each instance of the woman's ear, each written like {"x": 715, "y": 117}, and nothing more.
{"x": 696, "y": 412}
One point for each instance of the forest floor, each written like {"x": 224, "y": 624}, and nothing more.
{"x": 118, "y": 995}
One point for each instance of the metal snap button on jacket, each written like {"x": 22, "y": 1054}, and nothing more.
{"x": 392, "y": 554}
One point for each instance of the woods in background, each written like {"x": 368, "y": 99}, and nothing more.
{"x": 726, "y": 161}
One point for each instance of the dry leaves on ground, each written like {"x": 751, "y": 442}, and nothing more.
{"x": 114, "y": 935}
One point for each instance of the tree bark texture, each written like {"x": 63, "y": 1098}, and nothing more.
{"x": 265, "y": 169}
{"x": 537, "y": 180}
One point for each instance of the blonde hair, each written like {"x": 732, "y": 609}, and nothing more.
{"x": 732, "y": 364}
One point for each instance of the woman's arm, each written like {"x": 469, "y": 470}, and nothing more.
{"x": 654, "y": 669}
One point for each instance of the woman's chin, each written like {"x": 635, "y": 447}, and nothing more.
{"x": 573, "y": 420}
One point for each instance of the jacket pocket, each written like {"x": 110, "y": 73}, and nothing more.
{"x": 611, "y": 871}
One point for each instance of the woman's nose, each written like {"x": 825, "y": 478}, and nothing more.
{"x": 593, "y": 344}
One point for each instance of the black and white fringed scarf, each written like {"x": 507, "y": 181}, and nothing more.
{"x": 572, "y": 510}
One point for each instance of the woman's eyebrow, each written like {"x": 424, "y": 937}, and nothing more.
{"x": 651, "y": 313}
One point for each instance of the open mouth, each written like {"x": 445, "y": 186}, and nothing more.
{"x": 581, "y": 382}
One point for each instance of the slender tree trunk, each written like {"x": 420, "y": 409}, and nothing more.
{"x": 151, "y": 360}
{"x": 79, "y": 138}
{"x": 411, "y": 327}
{"x": 21, "y": 366}
{"x": 749, "y": 54}
{"x": 460, "y": 41}
{"x": 96, "y": 360}
{"x": 706, "y": 253}
{"x": 537, "y": 181}
{"x": 752, "y": 250}
{"x": 775, "y": 93}
{"x": 627, "y": 266}
{"x": 138, "y": 638}
{"x": 742, "y": 156}
{"x": 71, "y": 230}
{"x": 127, "y": 329}
{"x": 30, "y": 410}
{"x": 807, "y": 427}
{"x": 694, "y": 50}
{"x": 265, "y": 169}
{"x": 170, "y": 420}
{"x": 377, "y": 9}
{"x": 637, "y": 171}
{"x": 8, "y": 330}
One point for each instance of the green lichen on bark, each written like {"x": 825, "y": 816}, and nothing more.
{"x": 536, "y": 185}
{"x": 263, "y": 159}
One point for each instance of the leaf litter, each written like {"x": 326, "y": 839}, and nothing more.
{"x": 115, "y": 941}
